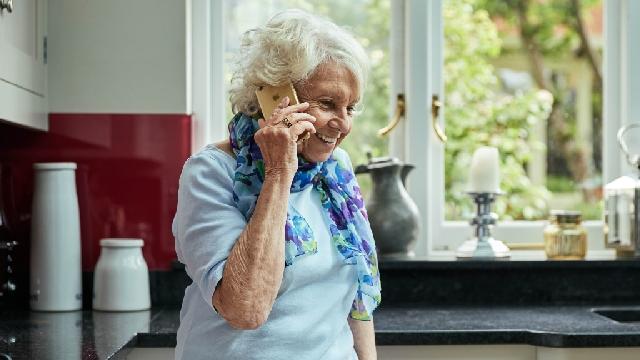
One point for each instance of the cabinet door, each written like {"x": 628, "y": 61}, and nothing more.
{"x": 21, "y": 45}
{"x": 23, "y": 76}
{"x": 459, "y": 352}
{"x": 630, "y": 353}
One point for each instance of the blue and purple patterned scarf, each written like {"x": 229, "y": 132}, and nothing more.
{"x": 341, "y": 200}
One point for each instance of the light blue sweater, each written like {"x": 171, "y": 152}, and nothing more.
{"x": 309, "y": 317}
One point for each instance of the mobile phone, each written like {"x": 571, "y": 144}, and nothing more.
{"x": 270, "y": 96}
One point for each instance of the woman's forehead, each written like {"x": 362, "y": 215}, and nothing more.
{"x": 334, "y": 81}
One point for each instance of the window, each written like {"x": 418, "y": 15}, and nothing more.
{"x": 416, "y": 67}
{"x": 445, "y": 235}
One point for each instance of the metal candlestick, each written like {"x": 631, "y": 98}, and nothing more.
{"x": 483, "y": 246}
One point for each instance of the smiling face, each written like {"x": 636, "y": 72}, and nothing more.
{"x": 332, "y": 92}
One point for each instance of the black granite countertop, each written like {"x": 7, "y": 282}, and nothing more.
{"x": 111, "y": 335}
{"x": 424, "y": 303}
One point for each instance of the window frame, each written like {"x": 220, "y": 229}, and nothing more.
{"x": 416, "y": 71}
{"x": 205, "y": 72}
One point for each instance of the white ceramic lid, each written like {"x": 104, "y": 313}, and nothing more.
{"x": 55, "y": 166}
{"x": 121, "y": 242}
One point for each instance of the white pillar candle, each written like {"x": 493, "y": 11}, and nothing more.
{"x": 484, "y": 174}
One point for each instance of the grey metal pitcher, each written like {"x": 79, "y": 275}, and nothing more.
{"x": 392, "y": 213}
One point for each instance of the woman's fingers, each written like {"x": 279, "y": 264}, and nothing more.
{"x": 281, "y": 113}
{"x": 300, "y": 127}
{"x": 294, "y": 118}
{"x": 297, "y": 117}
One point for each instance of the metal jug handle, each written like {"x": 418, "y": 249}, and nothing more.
{"x": 634, "y": 160}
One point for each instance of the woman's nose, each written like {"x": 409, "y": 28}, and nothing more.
{"x": 340, "y": 120}
{"x": 337, "y": 124}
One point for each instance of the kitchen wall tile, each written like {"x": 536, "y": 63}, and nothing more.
{"x": 127, "y": 178}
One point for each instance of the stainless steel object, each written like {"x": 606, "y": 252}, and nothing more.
{"x": 7, "y": 245}
{"x": 8, "y": 343}
{"x": 622, "y": 206}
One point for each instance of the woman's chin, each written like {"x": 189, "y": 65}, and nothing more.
{"x": 316, "y": 156}
{"x": 316, "y": 150}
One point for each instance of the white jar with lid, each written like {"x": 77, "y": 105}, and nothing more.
{"x": 121, "y": 277}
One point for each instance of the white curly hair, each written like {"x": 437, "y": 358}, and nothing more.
{"x": 289, "y": 47}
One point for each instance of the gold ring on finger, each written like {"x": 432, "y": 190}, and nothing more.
{"x": 287, "y": 122}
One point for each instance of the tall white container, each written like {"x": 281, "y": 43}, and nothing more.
{"x": 56, "y": 269}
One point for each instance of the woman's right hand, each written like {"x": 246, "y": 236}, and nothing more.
{"x": 278, "y": 142}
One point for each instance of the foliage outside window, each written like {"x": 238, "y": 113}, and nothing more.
{"x": 479, "y": 110}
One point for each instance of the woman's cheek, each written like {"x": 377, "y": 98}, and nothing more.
{"x": 342, "y": 138}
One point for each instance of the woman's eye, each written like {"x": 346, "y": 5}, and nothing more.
{"x": 351, "y": 110}
{"x": 326, "y": 103}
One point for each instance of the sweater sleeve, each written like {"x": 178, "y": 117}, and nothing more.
{"x": 207, "y": 223}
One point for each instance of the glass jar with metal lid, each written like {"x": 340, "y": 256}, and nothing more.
{"x": 564, "y": 237}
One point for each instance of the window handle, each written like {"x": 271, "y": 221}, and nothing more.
{"x": 399, "y": 114}
{"x": 435, "y": 111}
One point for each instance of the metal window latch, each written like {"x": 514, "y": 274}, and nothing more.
{"x": 399, "y": 114}
{"x": 435, "y": 112}
{"x": 6, "y": 4}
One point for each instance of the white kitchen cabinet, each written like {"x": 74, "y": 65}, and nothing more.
{"x": 631, "y": 353}
{"x": 23, "y": 69}
{"x": 151, "y": 354}
{"x": 504, "y": 352}
{"x": 457, "y": 352}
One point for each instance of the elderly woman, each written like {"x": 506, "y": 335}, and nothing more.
{"x": 270, "y": 223}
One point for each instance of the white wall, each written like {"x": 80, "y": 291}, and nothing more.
{"x": 117, "y": 56}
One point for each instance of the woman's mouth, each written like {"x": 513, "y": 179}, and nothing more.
{"x": 326, "y": 139}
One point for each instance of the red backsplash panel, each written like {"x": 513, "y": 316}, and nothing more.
{"x": 127, "y": 177}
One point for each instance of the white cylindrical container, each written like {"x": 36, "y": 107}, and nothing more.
{"x": 121, "y": 277}
{"x": 56, "y": 268}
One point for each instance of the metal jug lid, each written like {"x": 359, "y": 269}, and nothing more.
{"x": 376, "y": 163}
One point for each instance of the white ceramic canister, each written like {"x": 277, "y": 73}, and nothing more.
{"x": 121, "y": 277}
{"x": 56, "y": 268}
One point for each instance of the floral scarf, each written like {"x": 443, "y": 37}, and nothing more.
{"x": 341, "y": 199}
